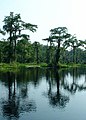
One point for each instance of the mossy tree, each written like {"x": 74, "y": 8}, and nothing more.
{"x": 13, "y": 25}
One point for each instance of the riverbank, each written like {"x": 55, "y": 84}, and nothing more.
{"x": 13, "y": 66}
{"x": 71, "y": 65}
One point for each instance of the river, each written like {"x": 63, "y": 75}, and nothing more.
{"x": 43, "y": 94}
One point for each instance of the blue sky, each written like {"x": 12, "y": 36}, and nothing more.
{"x": 48, "y": 14}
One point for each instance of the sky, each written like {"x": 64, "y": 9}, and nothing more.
{"x": 48, "y": 14}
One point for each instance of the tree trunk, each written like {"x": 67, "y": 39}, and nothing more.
{"x": 11, "y": 49}
{"x": 57, "y": 56}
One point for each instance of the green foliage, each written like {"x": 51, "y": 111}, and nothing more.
{"x": 2, "y": 32}
{"x": 57, "y": 35}
{"x": 14, "y": 25}
{"x": 18, "y": 49}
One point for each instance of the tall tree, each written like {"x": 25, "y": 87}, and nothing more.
{"x": 74, "y": 44}
{"x": 59, "y": 35}
{"x": 13, "y": 25}
{"x": 49, "y": 50}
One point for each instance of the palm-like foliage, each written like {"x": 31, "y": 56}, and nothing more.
{"x": 59, "y": 35}
{"x": 13, "y": 25}
{"x": 83, "y": 43}
{"x": 2, "y": 32}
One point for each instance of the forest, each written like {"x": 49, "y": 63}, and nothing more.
{"x": 61, "y": 48}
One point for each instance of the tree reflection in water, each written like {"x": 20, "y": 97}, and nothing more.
{"x": 61, "y": 84}
{"x": 56, "y": 98}
{"x": 15, "y": 103}
{"x": 65, "y": 81}
{"x": 75, "y": 84}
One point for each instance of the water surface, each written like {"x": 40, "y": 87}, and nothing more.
{"x": 43, "y": 94}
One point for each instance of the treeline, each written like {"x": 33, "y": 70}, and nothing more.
{"x": 61, "y": 47}
{"x": 27, "y": 52}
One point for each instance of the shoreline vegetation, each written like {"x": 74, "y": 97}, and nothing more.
{"x": 14, "y": 66}
{"x": 62, "y": 50}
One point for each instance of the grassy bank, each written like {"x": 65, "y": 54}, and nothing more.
{"x": 13, "y": 66}
{"x": 70, "y": 65}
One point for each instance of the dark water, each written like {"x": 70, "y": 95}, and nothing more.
{"x": 43, "y": 94}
